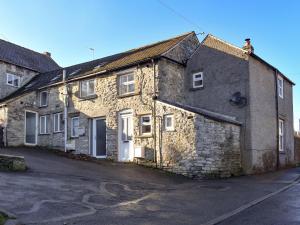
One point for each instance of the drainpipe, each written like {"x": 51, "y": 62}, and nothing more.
{"x": 277, "y": 118}
{"x": 154, "y": 110}
{"x": 65, "y": 109}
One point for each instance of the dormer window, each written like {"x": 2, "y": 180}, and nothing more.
{"x": 44, "y": 98}
{"x": 12, "y": 80}
{"x": 87, "y": 88}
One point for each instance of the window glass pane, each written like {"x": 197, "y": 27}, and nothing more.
{"x": 126, "y": 84}
{"x": 146, "y": 129}
{"x": 131, "y": 88}
{"x": 91, "y": 87}
{"x": 169, "y": 121}
{"x": 16, "y": 82}
{"x": 198, "y": 76}
{"x": 146, "y": 119}
{"x": 44, "y": 96}
{"x": 130, "y": 77}
{"x": 9, "y": 79}
{"x": 75, "y": 126}
{"x": 198, "y": 83}
{"x": 42, "y": 124}
{"x": 83, "y": 88}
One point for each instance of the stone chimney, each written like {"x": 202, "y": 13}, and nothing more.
{"x": 247, "y": 46}
{"x": 47, "y": 54}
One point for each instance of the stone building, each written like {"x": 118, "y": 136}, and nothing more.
{"x": 188, "y": 107}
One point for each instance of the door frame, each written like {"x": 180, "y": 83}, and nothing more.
{"x": 36, "y": 128}
{"x": 125, "y": 111}
{"x": 94, "y": 138}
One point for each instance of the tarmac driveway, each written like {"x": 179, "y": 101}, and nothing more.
{"x": 58, "y": 190}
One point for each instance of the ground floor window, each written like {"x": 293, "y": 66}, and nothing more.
{"x": 145, "y": 125}
{"x": 281, "y": 135}
{"x": 44, "y": 124}
{"x": 57, "y": 122}
{"x": 169, "y": 122}
{"x": 75, "y": 127}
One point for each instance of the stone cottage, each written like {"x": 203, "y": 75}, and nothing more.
{"x": 197, "y": 109}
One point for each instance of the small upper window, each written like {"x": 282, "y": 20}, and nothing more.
{"x": 44, "y": 98}
{"x": 198, "y": 80}
{"x": 87, "y": 88}
{"x": 280, "y": 86}
{"x": 12, "y": 80}
{"x": 169, "y": 122}
{"x": 75, "y": 127}
{"x": 126, "y": 84}
{"x": 145, "y": 124}
{"x": 44, "y": 124}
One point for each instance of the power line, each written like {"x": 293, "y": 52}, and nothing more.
{"x": 181, "y": 16}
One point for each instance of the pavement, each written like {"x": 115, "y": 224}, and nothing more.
{"x": 59, "y": 190}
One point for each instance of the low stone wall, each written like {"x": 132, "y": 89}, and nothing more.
{"x": 12, "y": 163}
{"x": 297, "y": 149}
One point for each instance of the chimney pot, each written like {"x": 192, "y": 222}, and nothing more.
{"x": 248, "y": 46}
{"x": 47, "y": 54}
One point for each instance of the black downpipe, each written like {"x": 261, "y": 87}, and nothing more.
{"x": 277, "y": 119}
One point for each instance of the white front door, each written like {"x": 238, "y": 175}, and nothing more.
{"x": 99, "y": 138}
{"x": 125, "y": 136}
{"x": 31, "y": 128}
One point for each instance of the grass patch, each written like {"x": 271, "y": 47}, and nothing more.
{"x": 3, "y": 218}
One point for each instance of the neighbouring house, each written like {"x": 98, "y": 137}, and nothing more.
{"x": 297, "y": 148}
{"x": 197, "y": 109}
{"x": 18, "y": 65}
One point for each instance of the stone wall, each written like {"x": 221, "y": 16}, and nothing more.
{"x": 297, "y": 149}
{"x": 198, "y": 146}
{"x": 25, "y": 75}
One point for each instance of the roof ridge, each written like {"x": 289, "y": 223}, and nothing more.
{"x": 130, "y": 50}
{"x": 159, "y": 42}
{"x": 26, "y": 48}
{"x": 225, "y": 42}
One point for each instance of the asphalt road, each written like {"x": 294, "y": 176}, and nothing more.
{"x": 58, "y": 190}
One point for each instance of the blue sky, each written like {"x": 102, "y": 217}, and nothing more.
{"x": 68, "y": 29}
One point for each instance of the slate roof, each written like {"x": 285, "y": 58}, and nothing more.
{"x": 101, "y": 66}
{"x": 204, "y": 112}
{"x": 23, "y": 57}
{"x": 235, "y": 50}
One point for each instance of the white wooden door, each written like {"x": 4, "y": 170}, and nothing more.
{"x": 125, "y": 136}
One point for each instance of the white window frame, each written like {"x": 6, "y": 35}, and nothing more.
{"x": 13, "y": 77}
{"x": 57, "y": 116}
{"x": 46, "y": 125}
{"x": 89, "y": 92}
{"x": 47, "y": 95}
{"x": 145, "y": 124}
{"x": 281, "y": 135}
{"x": 126, "y": 83}
{"x": 195, "y": 79}
{"x": 169, "y": 128}
{"x": 280, "y": 85}
{"x": 72, "y": 127}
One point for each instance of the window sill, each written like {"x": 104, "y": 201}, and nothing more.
{"x": 44, "y": 134}
{"x": 170, "y": 130}
{"x": 145, "y": 136}
{"x": 88, "y": 97}
{"x": 128, "y": 95}
{"x": 196, "y": 88}
{"x": 43, "y": 106}
{"x": 57, "y": 132}
{"x": 74, "y": 138}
